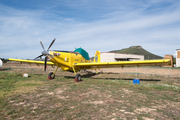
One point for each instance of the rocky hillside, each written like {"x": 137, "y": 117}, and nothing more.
{"x": 138, "y": 50}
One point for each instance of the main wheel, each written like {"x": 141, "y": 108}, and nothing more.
{"x": 50, "y": 76}
{"x": 77, "y": 78}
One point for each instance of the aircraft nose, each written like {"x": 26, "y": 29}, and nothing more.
{"x": 45, "y": 53}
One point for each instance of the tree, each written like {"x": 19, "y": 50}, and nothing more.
{"x": 4, "y": 60}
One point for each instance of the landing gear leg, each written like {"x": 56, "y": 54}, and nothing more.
{"x": 52, "y": 74}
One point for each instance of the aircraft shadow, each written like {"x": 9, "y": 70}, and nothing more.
{"x": 83, "y": 76}
{"x": 128, "y": 79}
{"x": 90, "y": 75}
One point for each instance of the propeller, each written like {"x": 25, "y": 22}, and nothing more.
{"x": 45, "y": 53}
{"x": 45, "y": 63}
{"x": 38, "y": 57}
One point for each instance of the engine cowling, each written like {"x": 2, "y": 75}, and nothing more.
{"x": 1, "y": 64}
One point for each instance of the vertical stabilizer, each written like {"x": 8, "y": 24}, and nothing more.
{"x": 97, "y": 57}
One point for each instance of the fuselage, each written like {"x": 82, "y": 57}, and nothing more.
{"x": 66, "y": 59}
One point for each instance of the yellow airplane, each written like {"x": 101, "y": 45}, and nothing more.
{"x": 77, "y": 60}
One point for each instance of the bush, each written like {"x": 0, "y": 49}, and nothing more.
{"x": 4, "y": 60}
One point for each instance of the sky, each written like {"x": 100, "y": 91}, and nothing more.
{"x": 102, "y": 25}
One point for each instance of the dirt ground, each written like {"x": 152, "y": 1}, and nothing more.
{"x": 110, "y": 95}
{"x": 163, "y": 71}
{"x": 166, "y": 75}
{"x": 147, "y": 71}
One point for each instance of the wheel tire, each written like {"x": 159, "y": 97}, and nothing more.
{"x": 50, "y": 76}
{"x": 77, "y": 78}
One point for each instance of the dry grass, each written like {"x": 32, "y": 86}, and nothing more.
{"x": 105, "y": 96}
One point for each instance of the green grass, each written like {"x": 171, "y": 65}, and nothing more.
{"x": 36, "y": 97}
{"x": 11, "y": 83}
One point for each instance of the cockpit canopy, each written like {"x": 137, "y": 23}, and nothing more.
{"x": 83, "y": 53}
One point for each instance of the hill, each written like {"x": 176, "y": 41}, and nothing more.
{"x": 138, "y": 50}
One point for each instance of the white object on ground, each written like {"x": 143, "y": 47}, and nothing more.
{"x": 25, "y": 75}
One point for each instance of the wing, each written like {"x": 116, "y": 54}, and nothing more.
{"x": 122, "y": 64}
{"x": 31, "y": 61}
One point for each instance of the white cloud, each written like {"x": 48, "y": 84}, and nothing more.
{"x": 21, "y": 30}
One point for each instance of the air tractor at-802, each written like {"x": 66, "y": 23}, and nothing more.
{"x": 77, "y": 60}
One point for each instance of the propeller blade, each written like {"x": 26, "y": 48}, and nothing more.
{"x": 42, "y": 46}
{"x": 38, "y": 57}
{"x": 51, "y": 44}
{"x": 45, "y": 64}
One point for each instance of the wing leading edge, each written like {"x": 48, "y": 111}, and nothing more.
{"x": 122, "y": 64}
{"x": 31, "y": 61}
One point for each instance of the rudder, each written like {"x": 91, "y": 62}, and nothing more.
{"x": 97, "y": 57}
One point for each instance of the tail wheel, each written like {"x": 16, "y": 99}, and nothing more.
{"x": 77, "y": 78}
{"x": 50, "y": 76}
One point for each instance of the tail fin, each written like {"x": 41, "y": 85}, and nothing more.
{"x": 97, "y": 57}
